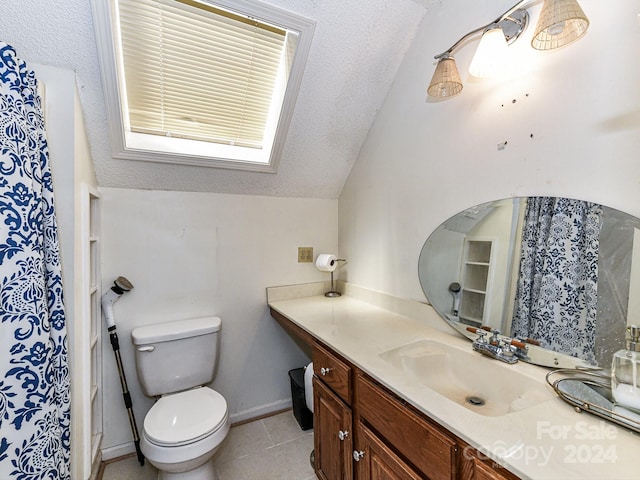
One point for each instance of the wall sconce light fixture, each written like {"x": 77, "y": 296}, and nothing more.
{"x": 560, "y": 23}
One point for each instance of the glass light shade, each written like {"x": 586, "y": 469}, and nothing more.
{"x": 491, "y": 54}
{"x": 446, "y": 80}
{"x": 561, "y": 22}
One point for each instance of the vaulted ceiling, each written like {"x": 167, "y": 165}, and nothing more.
{"x": 357, "y": 48}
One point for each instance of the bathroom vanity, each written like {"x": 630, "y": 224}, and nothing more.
{"x": 372, "y": 431}
{"x": 386, "y": 407}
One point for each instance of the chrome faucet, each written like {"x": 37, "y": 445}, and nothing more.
{"x": 522, "y": 350}
{"x": 495, "y": 347}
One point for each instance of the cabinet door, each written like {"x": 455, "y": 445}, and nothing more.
{"x": 476, "y": 466}
{"x": 429, "y": 448}
{"x": 377, "y": 461}
{"x": 332, "y": 434}
{"x": 485, "y": 472}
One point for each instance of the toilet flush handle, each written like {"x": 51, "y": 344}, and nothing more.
{"x": 146, "y": 348}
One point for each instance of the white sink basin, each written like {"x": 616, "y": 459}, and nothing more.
{"x": 483, "y": 385}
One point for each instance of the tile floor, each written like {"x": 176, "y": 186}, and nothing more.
{"x": 273, "y": 448}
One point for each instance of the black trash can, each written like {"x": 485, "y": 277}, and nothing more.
{"x": 300, "y": 411}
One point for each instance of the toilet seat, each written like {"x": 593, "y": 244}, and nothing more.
{"x": 185, "y": 417}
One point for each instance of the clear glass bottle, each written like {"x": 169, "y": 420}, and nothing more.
{"x": 625, "y": 372}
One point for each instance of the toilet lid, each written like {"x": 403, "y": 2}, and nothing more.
{"x": 185, "y": 417}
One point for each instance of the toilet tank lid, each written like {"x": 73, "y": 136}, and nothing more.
{"x": 165, "y": 332}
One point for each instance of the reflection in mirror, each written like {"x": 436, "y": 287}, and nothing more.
{"x": 557, "y": 273}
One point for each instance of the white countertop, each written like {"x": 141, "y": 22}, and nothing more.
{"x": 547, "y": 441}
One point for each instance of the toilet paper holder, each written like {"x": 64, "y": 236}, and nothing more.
{"x": 327, "y": 262}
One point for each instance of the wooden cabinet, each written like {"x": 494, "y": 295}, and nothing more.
{"x": 483, "y": 471}
{"x": 391, "y": 442}
{"x": 363, "y": 431}
{"x": 332, "y": 418}
{"x": 376, "y": 461}
{"x": 423, "y": 444}
{"x": 475, "y": 466}
{"x": 333, "y": 438}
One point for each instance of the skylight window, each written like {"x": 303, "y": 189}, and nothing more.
{"x": 200, "y": 82}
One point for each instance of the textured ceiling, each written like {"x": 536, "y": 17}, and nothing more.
{"x": 357, "y": 48}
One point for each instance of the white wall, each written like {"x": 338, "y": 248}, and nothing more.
{"x": 426, "y": 160}
{"x": 196, "y": 254}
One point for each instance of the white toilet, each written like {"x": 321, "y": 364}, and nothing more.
{"x": 187, "y": 424}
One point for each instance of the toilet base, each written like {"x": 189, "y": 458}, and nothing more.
{"x": 206, "y": 471}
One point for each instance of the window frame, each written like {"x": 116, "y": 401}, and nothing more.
{"x": 104, "y": 12}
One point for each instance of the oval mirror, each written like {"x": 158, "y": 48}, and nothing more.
{"x": 560, "y": 274}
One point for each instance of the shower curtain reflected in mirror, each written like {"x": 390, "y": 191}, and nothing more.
{"x": 557, "y": 289}
{"x": 34, "y": 373}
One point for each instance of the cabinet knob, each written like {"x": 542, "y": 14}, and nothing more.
{"x": 357, "y": 455}
{"x": 325, "y": 371}
{"x": 342, "y": 434}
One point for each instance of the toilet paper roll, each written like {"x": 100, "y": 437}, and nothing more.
{"x": 308, "y": 386}
{"x": 326, "y": 262}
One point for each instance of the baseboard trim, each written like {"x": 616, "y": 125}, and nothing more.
{"x": 260, "y": 412}
{"x": 118, "y": 451}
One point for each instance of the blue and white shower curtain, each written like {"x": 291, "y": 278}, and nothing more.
{"x": 557, "y": 289}
{"x": 34, "y": 373}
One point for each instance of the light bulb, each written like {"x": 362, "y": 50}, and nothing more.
{"x": 490, "y": 56}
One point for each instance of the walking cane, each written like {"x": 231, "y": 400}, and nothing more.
{"x": 120, "y": 286}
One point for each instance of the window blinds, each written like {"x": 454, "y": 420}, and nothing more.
{"x": 198, "y": 72}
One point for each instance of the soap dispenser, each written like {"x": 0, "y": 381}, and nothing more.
{"x": 625, "y": 382}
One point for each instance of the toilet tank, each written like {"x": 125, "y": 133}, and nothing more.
{"x": 178, "y": 355}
